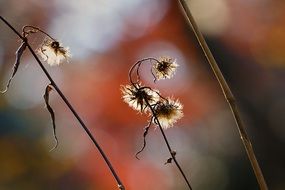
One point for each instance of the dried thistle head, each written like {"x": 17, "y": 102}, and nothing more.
{"x": 135, "y": 96}
{"x": 53, "y": 52}
{"x": 168, "y": 112}
{"x": 164, "y": 68}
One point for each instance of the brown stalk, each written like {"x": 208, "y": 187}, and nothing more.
{"x": 172, "y": 152}
{"x": 228, "y": 96}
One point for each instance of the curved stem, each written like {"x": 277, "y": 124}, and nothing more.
{"x": 37, "y": 29}
{"x": 138, "y": 64}
{"x": 228, "y": 96}
{"x": 120, "y": 185}
{"x": 172, "y": 152}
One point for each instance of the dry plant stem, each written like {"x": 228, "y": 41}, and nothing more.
{"x": 228, "y": 95}
{"x": 36, "y": 29}
{"x": 120, "y": 185}
{"x": 138, "y": 64}
{"x": 172, "y": 153}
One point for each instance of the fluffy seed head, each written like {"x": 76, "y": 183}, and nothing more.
{"x": 135, "y": 96}
{"x": 164, "y": 68}
{"x": 53, "y": 52}
{"x": 168, "y": 112}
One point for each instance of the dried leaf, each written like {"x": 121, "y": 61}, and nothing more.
{"x": 144, "y": 141}
{"x": 46, "y": 97}
{"x": 169, "y": 160}
{"x": 19, "y": 54}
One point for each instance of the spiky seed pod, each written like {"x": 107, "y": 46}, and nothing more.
{"x": 164, "y": 68}
{"x": 168, "y": 112}
{"x": 135, "y": 96}
{"x": 53, "y": 52}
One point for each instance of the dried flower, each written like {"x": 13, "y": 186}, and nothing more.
{"x": 135, "y": 95}
{"x": 168, "y": 112}
{"x": 53, "y": 52}
{"x": 164, "y": 68}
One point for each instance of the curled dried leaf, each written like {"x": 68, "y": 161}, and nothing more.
{"x": 46, "y": 97}
{"x": 19, "y": 54}
{"x": 144, "y": 138}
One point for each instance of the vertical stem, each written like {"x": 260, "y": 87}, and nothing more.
{"x": 120, "y": 185}
{"x": 78, "y": 118}
{"x": 172, "y": 153}
{"x": 228, "y": 96}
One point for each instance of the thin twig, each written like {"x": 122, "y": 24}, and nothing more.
{"x": 120, "y": 184}
{"x": 172, "y": 152}
{"x": 228, "y": 96}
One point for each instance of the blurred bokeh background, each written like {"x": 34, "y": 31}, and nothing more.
{"x": 106, "y": 38}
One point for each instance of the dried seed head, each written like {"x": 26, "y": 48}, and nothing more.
{"x": 168, "y": 112}
{"x": 135, "y": 96}
{"x": 164, "y": 68}
{"x": 52, "y": 52}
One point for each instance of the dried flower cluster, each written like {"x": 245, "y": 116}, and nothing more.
{"x": 144, "y": 99}
{"x": 164, "y": 112}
